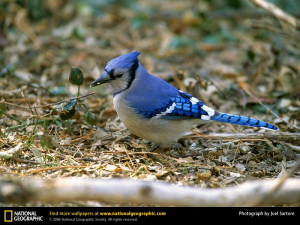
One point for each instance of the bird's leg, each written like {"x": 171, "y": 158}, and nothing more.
{"x": 154, "y": 148}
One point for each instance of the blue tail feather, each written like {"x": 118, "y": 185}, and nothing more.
{"x": 241, "y": 120}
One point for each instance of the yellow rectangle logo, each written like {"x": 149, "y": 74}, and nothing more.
{"x": 8, "y": 215}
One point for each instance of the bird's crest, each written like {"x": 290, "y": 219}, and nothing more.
{"x": 124, "y": 62}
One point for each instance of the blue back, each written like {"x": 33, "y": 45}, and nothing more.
{"x": 146, "y": 96}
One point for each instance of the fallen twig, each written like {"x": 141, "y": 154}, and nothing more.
{"x": 293, "y": 147}
{"x": 56, "y": 103}
{"x": 142, "y": 192}
{"x": 11, "y": 152}
{"x": 277, "y": 12}
{"x": 284, "y": 136}
{"x": 259, "y": 199}
{"x": 53, "y": 168}
{"x": 25, "y": 161}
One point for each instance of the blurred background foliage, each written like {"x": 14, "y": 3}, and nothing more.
{"x": 228, "y": 44}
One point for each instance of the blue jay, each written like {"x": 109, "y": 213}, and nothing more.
{"x": 153, "y": 109}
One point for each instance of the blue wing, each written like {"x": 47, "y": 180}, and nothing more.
{"x": 167, "y": 103}
{"x": 180, "y": 106}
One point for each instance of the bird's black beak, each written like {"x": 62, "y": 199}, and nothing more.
{"x": 104, "y": 78}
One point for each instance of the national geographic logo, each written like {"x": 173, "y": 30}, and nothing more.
{"x": 13, "y": 215}
{"x": 8, "y": 215}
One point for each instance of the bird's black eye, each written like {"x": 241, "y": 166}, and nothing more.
{"x": 119, "y": 75}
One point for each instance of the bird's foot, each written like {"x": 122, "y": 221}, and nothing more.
{"x": 154, "y": 148}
